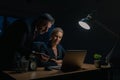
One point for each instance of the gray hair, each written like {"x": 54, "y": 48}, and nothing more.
{"x": 57, "y": 29}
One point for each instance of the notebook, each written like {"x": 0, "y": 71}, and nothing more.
{"x": 73, "y": 60}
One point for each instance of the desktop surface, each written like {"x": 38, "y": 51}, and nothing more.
{"x": 40, "y": 73}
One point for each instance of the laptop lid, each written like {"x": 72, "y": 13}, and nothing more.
{"x": 73, "y": 60}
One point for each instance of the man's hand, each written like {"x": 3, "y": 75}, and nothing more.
{"x": 44, "y": 58}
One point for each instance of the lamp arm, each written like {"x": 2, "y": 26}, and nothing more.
{"x": 111, "y": 51}
{"x": 108, "y": 30}
{"x": 108, "y": 57}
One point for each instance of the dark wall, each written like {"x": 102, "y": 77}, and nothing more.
{"x": 67, "y": 14}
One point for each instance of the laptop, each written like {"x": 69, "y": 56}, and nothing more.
{"x": 73, "y": 60}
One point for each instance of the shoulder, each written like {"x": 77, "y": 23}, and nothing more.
{"x": 60, "y": 47}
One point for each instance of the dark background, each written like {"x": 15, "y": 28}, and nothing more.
{"x": 67, "y": 13}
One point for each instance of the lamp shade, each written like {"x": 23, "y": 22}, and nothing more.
{"x": 86, "y": 22}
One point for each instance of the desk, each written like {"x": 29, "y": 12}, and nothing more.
{"x": 87, "y": 74}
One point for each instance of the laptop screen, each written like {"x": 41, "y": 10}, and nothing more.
{"x": 73, "y": 60}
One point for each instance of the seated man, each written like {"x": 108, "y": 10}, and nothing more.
{"x": 14, "y": 44}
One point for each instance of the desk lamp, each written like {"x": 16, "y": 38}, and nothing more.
{"x": 85, "y": 23}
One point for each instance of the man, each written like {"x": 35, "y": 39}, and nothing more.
{"x": 42, "y": 28}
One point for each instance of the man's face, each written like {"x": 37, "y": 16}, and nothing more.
{"x": 43, "y": 29}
